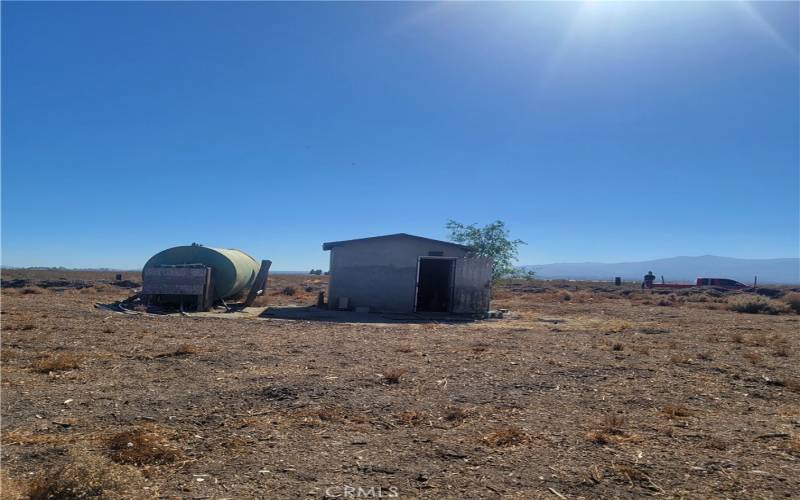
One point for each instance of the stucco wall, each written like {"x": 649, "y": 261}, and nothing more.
{"x": 380, "y": 274}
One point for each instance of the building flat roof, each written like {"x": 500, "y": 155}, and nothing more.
{"x": 330, "y": 244}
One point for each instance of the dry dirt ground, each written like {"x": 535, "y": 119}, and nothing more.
{"x": 581, "y": 391}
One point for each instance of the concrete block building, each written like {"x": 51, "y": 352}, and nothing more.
{"x": 406, "y": 273}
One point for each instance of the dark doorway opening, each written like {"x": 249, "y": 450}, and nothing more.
{"x": 434, "y": 282}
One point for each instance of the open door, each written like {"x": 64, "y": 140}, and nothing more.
{"x": 434, "y": 284}
{"x": 472, "y": 285}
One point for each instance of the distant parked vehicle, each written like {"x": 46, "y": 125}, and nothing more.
{"x": 721, "y": 283}
{"x": 724, "y": 283}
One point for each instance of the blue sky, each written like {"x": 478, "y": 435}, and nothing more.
{"x": 596, "y": 131}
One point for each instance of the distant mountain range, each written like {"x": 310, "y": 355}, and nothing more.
{"x": 675, "y": 269}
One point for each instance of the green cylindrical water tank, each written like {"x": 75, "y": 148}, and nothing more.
{"x": 233, "y": 269}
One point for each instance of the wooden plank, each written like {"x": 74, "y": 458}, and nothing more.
{"x": 260, "y": 283}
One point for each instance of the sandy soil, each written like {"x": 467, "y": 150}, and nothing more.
{"x": 581, "y": 391}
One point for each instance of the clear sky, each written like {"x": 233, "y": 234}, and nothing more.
{"x": 597, "y": 131}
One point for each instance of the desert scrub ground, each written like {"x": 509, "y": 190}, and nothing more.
{"x": 582, "y": 390}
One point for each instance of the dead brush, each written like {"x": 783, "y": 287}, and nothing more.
{"x": 617, "y": 346}
{"x": 319, "y": 415}
{"x": 56, "y": 362}
{"x": 791, "y": 384}
{"x": 793, "y": 301}
{"x": 454, "y": 414}
{"x": 509, "y": 436}
{"x": 81, "y": 478}
{"x": 141, "y": 447}
{"x": 753, "y": 357}
{"x": 181, "y": 350}
{"x": 31, "y": 291}
{"x": 634, "y": 475}
{"x": 289, "y": 290}
{"x": 705, "y": 356}
{"x": 755, "y": 304}
{"x": 186, "y": 349}
{"x": 392, "y": 375}
{"x": 7, "y": 354}
{"x": 759, "y": 340}
{"x": 617, "y": 326}
{"x": 680, "y": 359}
{"x": 411, "y": 418}
{"x": 792, "y": 445}
{"x": 781, "y": 347}
{"x": 715, "y": 443}
{"x": 676, "y": 411}
{"x": 782, "y": 351}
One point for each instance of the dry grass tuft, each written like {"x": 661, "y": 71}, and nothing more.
{"x": 611, "y": 431}
{"x": 81, "y": 478}
{"x": 613, "y": 424}
{"x": 755, "y": 304}
{"x": 392, "y": 375}
{"x": 56, "y": 362}
{"x": 676, "y": 411}
{"x": 705, "y": 356}
{"x": 141, "y": 447}
{"x": 599, "y": 437}
{"x": 737, "y": 338}
{"x": 618, "y": 346}
{"x": 35, "y": 290}
{"x": 509, "y": 436}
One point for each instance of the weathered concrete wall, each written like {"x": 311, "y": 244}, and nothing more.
{"x": 380, "y": 274}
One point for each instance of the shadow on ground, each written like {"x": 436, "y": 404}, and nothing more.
{"x": 313, "y": 313}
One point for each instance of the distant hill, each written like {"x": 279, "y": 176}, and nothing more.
{"x": 678, "y": 269}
